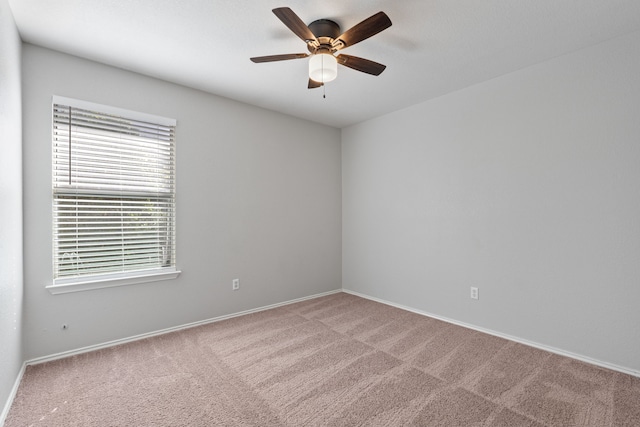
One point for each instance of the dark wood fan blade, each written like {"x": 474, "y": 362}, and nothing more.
{"x": 294, "y": 23}
{"x": 361, "y": 64}
{"x": 271, "y": 58}
{"x": 313, "y": 84}
{"x": 367, "y": 28}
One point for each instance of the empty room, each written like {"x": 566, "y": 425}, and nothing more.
{"x": 320, "y": 213}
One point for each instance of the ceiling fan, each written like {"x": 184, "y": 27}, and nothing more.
{"x": 323, "y": 39}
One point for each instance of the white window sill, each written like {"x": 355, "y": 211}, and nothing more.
{"x": 65, "y": 286}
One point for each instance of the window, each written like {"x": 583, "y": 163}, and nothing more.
{"x": 113, "y": 197}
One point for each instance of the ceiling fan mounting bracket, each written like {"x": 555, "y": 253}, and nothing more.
{"x": 325, "y": 28}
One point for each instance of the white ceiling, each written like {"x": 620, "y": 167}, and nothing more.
{"x": 434, "y": 46}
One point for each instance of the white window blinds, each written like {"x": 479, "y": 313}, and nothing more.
{"x": 113, "y": 192}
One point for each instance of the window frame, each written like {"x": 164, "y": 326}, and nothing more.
{"x": 105, "y": 280}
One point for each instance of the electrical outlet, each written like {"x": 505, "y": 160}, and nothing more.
{"x": 474, "y": 293}
{"x": 235, "y": 284}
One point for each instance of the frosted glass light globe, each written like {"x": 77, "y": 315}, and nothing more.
{"x": 323, "y": 67}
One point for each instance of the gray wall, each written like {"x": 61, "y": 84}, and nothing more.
{"x": 10, "y": 206}
{"x": 526, "y": 186}
{"x": 258, "y": 198}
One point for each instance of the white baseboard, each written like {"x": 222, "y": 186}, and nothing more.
{"x": 12, "y": 395}
{"x": 167, "y": 330}
{"x": 550, "y": 349}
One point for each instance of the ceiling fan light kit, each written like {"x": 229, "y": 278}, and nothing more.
{"x": 323, "y": 39}
{"x": 323, "y": 67}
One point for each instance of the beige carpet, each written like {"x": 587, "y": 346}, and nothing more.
{"x": 338, "y": 360}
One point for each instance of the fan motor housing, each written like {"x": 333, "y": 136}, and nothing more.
{"x": 326, "y": 31}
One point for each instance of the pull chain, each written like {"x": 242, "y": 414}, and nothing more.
{"x": 324, "y": 92}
